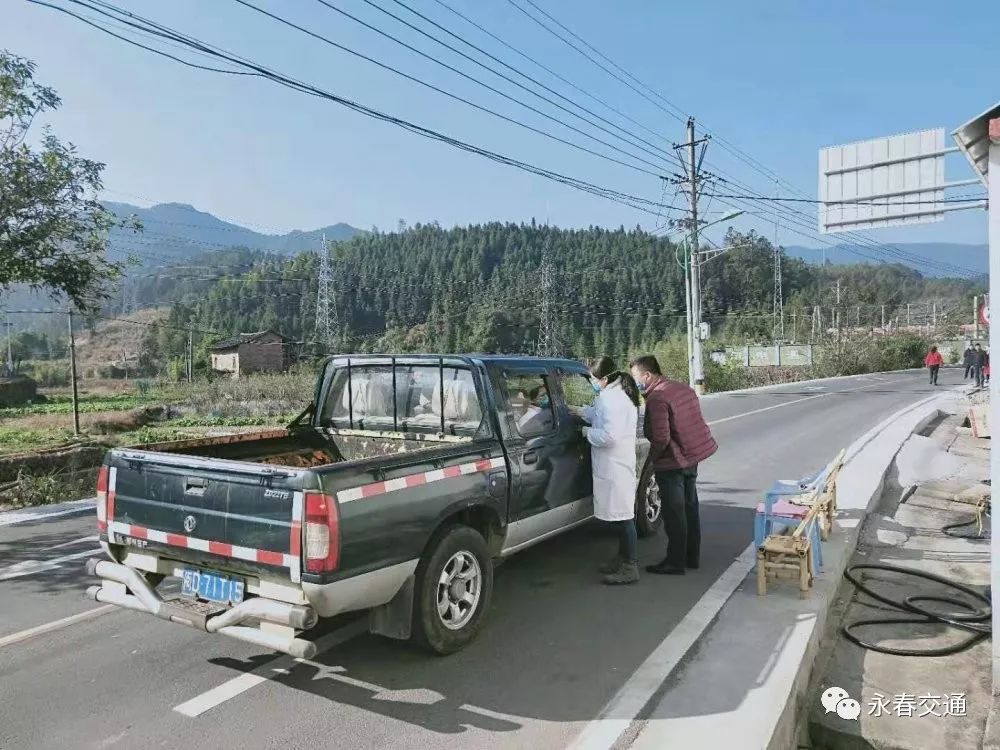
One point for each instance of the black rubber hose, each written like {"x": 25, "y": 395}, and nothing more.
{"x": 973, "y": 521}
{"x": 974, "y": 620}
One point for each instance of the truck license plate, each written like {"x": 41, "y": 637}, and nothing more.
{"x": 212, "y": 586}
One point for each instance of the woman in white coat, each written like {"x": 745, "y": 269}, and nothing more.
{"x": 612, "y": 435}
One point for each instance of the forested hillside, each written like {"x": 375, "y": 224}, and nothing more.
{"x": 478, "y": 288}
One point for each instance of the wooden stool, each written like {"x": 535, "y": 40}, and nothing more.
{"x": 788, "y": 556}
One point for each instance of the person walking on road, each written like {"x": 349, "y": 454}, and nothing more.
{"x": 980, "y": 361}
{"x": 612, "y": 434}
{"x": 679, "y": 440}
{"x": 933, "y": 361}
{"x": 968, "y": 361}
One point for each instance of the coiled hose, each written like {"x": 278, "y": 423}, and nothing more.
{"x": 970, "y": 618}
{"x": 976, "y": 520}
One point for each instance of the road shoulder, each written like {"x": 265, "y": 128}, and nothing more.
{"x": 742, "y": 685}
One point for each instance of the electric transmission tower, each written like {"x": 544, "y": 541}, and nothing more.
{"x": 327, "y": 322}
{"x": 548, "y": 343}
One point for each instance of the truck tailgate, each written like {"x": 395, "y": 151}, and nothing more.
{"x": 248, "y": 513}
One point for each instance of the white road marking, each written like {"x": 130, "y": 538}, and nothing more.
{"x": 30, "y": 567}
{"x": 48, "y": 627}
{"x": 767, "y": 408}
{"x": 9, "y": 518}
{"x": 790, "y": 403}
{"x": 73, "y": 543}
{"x": 280, "y": 665}
{"x": 615, "y": 718}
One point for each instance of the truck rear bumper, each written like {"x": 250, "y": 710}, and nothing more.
{"x": 278, "y": 621}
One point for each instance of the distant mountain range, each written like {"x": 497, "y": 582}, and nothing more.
{"x": 173, "y": 232}
{"x": 973, "y": 257}
{"x": 176, "y": 231}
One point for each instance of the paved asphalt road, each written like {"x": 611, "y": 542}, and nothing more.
{"x": 556, "y": 648}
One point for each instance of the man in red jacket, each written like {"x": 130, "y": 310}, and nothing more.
{"x": 679, "y": 439}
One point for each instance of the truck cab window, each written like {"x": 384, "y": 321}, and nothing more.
{"x": 531, "y": 404}
{"x": 416, "y": 405}
{"x": 578, "y": 390}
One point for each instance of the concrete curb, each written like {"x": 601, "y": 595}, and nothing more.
{"x": 745, "y": 684}
{"x": 43, "y": 512}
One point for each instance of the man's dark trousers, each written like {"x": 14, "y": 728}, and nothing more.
{"x": 681, "y": 522}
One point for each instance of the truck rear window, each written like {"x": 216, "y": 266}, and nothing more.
{"x": 414, "y": 401}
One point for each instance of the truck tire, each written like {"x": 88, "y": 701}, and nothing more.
{"x": 648, "y": 509}
{"x": 454, "y": 585}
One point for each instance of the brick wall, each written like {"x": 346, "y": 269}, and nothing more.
{"x": 266, "y": 354}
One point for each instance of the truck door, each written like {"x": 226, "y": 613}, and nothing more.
{"x": 545, "y": 454}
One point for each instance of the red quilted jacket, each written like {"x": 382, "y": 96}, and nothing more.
{"x": 673, "y": 418}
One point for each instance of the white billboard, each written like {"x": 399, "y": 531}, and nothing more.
{"x": 883, "y": 182}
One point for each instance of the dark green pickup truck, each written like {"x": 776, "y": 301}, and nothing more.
{"x": 394, "y": 492}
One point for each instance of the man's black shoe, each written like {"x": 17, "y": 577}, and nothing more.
{"x": 662, "y": 569}
{"x": 692, "y": 566}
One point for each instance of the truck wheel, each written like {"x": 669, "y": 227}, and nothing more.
{"x": 648, "y": 509}
{"x": 454, "y": 587}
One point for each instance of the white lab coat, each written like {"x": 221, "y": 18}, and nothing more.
{"x": 612, "y": 436}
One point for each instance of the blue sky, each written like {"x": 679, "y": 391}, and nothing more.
{"x": 779, "y": 79}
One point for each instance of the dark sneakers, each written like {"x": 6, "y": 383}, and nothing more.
{"x": 662, "y": 569}
{"x": 665, "y": 569}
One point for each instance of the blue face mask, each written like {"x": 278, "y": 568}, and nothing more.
{"x": 641, "y": 386}
{"x": 543, "y": 402}
{"x": 596, "y": 385}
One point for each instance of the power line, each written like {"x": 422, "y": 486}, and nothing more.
{"x": 855, "y": 201}
{"x": 656, "y": 152}
{"x": 677, "y": 113}
{"x": 551, "y": 72}
{"x": 636, "y": 202}
{"x": 456, "y": 97}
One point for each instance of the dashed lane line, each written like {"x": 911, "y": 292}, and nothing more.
{"x": 23, "y": 635}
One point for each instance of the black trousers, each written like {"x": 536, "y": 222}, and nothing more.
{"x": 969, "y": 370}
{"x": 681, "y": 522}
{"x": 934, "y": 373}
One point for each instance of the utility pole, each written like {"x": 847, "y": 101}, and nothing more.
{"x": 778, "y": 331}
{"x": 689, "y": 312}
{"x": 693, "y": 167}
{"x": 907, "y": 314}
{"x": 883, "y": 318}
{"x": 190, "y": 357}
{"x": 10, "y": 349}
{"x": 934, "y": 315}
{"x": 326, "y": 310}
{"x": 975, "y": 317}
{"x": 72, "y": 375}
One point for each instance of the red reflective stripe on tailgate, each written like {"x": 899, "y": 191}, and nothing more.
{"x": 177, "y": 540}
{"x": 270, "y": 558}
{"x": 138, "y": 532}
{"x": 484, "y": 465}
{"x": 378, "y": 488}
{"x": 415, "y": 480}
{"x": 295, "y": 539}
{"x": 220, "y": 548}
{"x": 452, "y": 471}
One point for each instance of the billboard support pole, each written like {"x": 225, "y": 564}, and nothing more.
{"x": 994, "y": 240}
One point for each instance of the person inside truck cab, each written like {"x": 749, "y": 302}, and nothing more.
{"x": 537, "y": 415}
